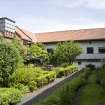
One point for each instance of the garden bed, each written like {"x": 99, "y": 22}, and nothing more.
{"x": 41, "y": 93}
{"x": 27, "y": 80}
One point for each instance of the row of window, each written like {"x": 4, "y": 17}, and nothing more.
{"x": 101, "y": 50}
{"x": 90, "y": 50}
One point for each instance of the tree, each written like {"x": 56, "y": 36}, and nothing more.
{"x": 65, "y": 52}
{"x": 9, "y": 61}
{"x": 38, "y": 51}
{"x": 22, "y": 49}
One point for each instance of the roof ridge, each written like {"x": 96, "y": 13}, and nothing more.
{"x": 69, "y": 30}
{"x": 23, "y": 32}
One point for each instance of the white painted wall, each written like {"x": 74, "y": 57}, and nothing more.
{"x": 84, "y": 63}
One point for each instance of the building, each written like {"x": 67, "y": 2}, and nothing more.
{"x": 92, "y": 41}
{"x": 7, "y": 27}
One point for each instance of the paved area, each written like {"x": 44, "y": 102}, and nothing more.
{"x": 41, "y": 93}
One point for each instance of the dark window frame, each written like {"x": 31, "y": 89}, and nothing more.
{"x": 90, "y": 50}
{"x": 101, "y": 50}
{"x": 50, "y": 50}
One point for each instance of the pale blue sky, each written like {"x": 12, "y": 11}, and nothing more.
{"x": 54, "y": 15}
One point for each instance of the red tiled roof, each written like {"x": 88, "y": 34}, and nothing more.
{"x": 22, "y": 34}
{"x": 31, "y": 35}
{"x": 79, "y": 35}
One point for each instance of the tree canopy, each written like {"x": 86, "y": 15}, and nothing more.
{"x": 65, "y": 52}
{"x": 38, "y": 51}
{"x": 9, "y": 61}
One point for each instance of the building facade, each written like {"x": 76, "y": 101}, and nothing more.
{"x": 93, "y": 52}
{"x": 92, "y": 42}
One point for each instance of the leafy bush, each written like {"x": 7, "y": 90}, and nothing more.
{"x": 21, "y": 87}
{"x": 41, "y": 80}
{"x": 46, "y": 78}
{"x": 22, "y": 49}
{"x": 101, "y": 77}
{"x": 9, "y": 61}
{"x": 25, "y": 76}
{"x": 32, "y": 85}
{"x": 9, "y": 96}
{"x": 66, "y": 71}
{"x": 32, "y": 77}
{"x": 90, "y": 66}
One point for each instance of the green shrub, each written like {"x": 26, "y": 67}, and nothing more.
{"x": 32, "y": 77}
{"x": 51, "y": 76}
{"x": 42, "y": 80}
{"x": 90, "y": 66}
{"x": 25, "y": 76}
{"x": 9, "y": 60}
{"x": 66, "y": 71}
{"x": 22, "y": 88}
{"x": 9, "y": 96}
{"x": 101, "y": 77}
{"x": 32, "y": 85}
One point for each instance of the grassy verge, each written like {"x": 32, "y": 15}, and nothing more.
{"x": 92, "y": 94}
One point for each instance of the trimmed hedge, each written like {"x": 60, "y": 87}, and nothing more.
{"x": 46, "y": 77}
{"x": 64, "y": 71}
{"x": 10, "y": 96}
{"x": 32, "y": 78}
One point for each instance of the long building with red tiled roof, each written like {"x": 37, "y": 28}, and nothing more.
{"x": 76, "y": 35}
{"x": 59, "y": 36}
{"x": 92, "y": 42}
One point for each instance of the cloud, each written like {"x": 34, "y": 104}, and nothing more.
{"x": 47, "y": 25}
{"x": 95, "y": 4}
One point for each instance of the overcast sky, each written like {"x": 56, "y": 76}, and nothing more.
{"x": 54, "y": 15}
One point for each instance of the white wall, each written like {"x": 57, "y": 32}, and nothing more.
{"x": 84, "y": 63}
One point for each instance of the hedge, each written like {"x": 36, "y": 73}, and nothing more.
{"x": 10, "y": 96}
{"x": 46, "y": 78}
{"x": 64, "y": 71}
{"x": 32, "y": 78}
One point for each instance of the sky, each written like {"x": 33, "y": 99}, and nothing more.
{"x": 54, "y": 15}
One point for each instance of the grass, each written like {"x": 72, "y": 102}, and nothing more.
{"x": 92, "y": 94}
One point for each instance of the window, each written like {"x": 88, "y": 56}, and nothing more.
{"x": 90, "y": 50}
{"x": 79, "y": 63}
{"x": 50, "y": 50}
{"x": 101, "y": 50}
